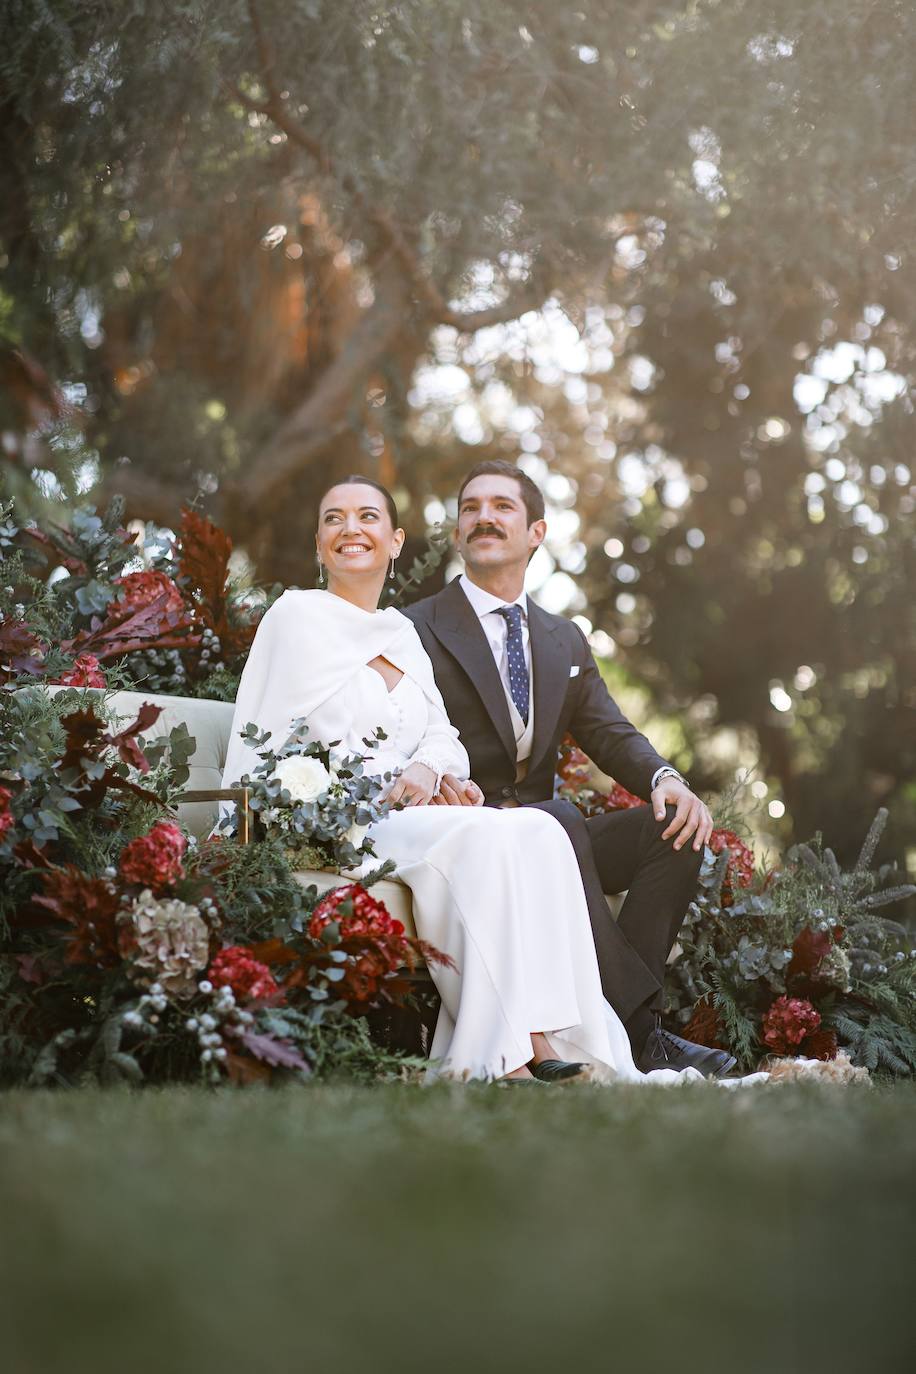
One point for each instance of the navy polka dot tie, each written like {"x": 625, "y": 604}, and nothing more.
{"x": 515, "y": 650}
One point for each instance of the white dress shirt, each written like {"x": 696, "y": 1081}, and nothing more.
{"x": 496, "y": 629}
{"x": 486, "y": 606}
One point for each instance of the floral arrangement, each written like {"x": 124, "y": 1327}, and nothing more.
{"x": 320, "y": 803}
{"x": 86, "y": 606}
{"x": 795, "y": 962}
{"x": 127, "y": 952}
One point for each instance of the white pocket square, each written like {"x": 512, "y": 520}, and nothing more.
{"x": 574, "y": 670}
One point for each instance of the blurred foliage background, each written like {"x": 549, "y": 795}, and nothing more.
{"x": 660, "y": 253}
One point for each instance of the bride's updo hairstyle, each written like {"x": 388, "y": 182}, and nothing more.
{"x": 354, "y": 479}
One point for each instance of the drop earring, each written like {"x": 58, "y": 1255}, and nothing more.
{"x": 321, "y": 574}
{"x": 391, "y": 569}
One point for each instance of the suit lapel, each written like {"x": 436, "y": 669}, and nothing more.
{"x": 550, "y": 663}
{"x": 457, "y": 627}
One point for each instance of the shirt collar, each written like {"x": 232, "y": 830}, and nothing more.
{"x": 483, "y": 602}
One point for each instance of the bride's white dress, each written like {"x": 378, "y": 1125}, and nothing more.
{"x": 497, "y": 890}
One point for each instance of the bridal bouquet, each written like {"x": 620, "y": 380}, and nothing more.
{"x": 319, "y": 803}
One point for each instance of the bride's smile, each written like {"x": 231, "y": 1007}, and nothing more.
{"x": 357, "y": 542}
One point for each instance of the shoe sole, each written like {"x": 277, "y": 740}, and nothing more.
{"x": 584, "y": 1076}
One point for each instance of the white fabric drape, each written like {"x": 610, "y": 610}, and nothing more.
{"x": 308, "y": 646}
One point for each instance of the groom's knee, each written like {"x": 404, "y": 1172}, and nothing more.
{"x": 686, "y": 857}
{"x": 572, "y": 821}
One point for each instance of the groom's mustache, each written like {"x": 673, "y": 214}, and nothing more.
{"x": 486, "y": 530}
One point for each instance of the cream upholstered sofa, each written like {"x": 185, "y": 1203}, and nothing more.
{"x": 210, "y": 723}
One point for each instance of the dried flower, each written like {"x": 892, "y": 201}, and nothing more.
{"x": 822, "y": 1044}
{"x": 705, "y": 1027}
{"x": 140, "y": 589}
{"x": 154, "y": 860}
{"x": 740, "y": 870}
{"x": 86, "y": 672}
{"x": 90, "y": 907}
{"x": 788, "y": 1022}
{"x": 167, "y": 942}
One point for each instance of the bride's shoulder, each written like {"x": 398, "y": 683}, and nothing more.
{"x": 291, "y": 609}
{"x": 294, "y": 602}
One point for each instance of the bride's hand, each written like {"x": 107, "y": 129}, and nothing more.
{"x": 413, "y": 787}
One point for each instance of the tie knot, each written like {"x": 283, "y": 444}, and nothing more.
{"x": 512, "y": 615}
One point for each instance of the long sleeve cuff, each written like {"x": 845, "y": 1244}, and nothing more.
{"x": 433, "y": 764}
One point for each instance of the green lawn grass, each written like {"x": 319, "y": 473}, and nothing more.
{"x": 408, "y": 1229}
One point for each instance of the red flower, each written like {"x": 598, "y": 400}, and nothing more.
{"x": 821, "y": 1045}
{"x": 788, "y": 1022}
{"x": 86, "y": 672}
{"x": 154, "y": 860}
{"x": 574, "y": 772}
{"x": 573, "y": 766}
{"x": 740, "y": 871}
{"x": 705, "y": 1027}
{"x": 236, "y": 967}
{"x": 7, "y": 819}
{"x": 374, "y": 940}
{"x": 365, "y": 917}
{"x": 619, "y": 799}
{"x": 140, "y": 589}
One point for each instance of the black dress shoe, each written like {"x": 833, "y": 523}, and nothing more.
{"x": 664, "y": 1050}
{"x": 558, "y": 1071}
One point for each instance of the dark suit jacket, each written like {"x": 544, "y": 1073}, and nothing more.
{"x": 564, "y": 700}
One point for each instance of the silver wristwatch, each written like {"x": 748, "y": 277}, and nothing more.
{"x": 668, "y": 772}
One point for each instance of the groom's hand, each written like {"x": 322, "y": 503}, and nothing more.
{"x": 453, "y": 792}
{"x": 691, "y": 817}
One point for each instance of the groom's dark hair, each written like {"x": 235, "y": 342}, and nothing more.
{"x": 498, "y": 467}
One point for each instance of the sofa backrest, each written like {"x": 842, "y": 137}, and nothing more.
{"x": 210, "y": 722}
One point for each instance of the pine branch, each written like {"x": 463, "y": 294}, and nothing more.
{"x": 870, "y": 844}
{"x": 889, "y": 895}
{"x": 875, "y": 1040}
{"x": 740, "y": 1030}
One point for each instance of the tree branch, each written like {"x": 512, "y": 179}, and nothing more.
{"x": 327, "y": 410}
{"x": 435, "y": 306}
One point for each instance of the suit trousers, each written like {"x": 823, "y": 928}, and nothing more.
{"x": 624, "y": 851}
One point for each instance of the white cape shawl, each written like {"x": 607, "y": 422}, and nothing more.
{"x": 306, "y": 647}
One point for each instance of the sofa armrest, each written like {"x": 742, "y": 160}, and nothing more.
{"x": 239, "y": 795}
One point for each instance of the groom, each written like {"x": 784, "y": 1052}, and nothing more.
{"x": 515, "y": 680}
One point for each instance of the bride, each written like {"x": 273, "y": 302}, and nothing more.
{"x": 497, "y": 890}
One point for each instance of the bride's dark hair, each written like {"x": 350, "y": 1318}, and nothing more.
{"x": 355, "y": 479}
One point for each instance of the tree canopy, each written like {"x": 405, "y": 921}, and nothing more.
{"x": 244, "y": 246}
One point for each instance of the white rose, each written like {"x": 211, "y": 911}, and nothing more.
{"x": 303, "y": 777}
